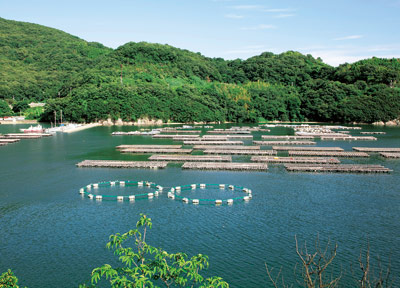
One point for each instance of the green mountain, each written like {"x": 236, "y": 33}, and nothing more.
{"x": 90, "y": 82}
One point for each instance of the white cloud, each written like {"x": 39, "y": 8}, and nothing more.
{"x": 284, "y": 15}
{"x": 350, "y": 37}
{"x": 234, "y": 16}
{"x": 259, "y": 27}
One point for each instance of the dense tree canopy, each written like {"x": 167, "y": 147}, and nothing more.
{"x": 90, "y": 82}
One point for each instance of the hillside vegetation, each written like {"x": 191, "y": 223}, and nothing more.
{"x": 162, "y": 82}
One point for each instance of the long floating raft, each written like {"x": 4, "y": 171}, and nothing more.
{"x": 349, "y": 168}
{"x": 225, "y": 147}
{"x": 26, "y": 135}
{"x": 297, "y": 148}
{"x": 328, "y": 153}
{"x": 279, "y": 137}
{"x": 149, "y": 146}
{"x": 7, "y": 141}
{"x": 240, "y": 152}
{"x": 390, "y": 155}
{"x": 162, "y": 136}
{"x": 225, "y": 166}
{"x": 122, "y": 164}
{"x": 350, "y": 138}
{"x": 272, "y": 159}
{"x": 370, "y": 149}
{"x": 213, "y": 142}
{"x": 229, "y": 132}
{"x": 271, "y": 143}
{"x": 199, "y": 158}
{"x": 156, "y": 150}
{"x": 371, "y": 133}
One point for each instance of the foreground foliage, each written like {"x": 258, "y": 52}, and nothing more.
{"x": 148, "y": 266}
{"x": 90, "y": 82}
{"x": 8, "y": 280}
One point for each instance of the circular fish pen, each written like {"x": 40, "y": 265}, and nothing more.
{"x": 175, "y": 194}
{"x": 92, "y": 190}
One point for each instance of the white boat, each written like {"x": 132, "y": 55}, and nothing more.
{"x": 33, "y": 129}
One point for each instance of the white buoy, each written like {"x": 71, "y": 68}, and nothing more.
{"x": 202, "y": 185}
{"x": 249, "y": 191}
{"x": 156, "y": 193}
{"x": 120, "y": 198}
{"x": 172, "y": 189}
{"x": 90, "y": 196}
{"x": 222, "y": 186}
{"x": 160, "y": 188}
{"x": 246, "y": 198}
{"x": 140, "y": 183}
{"x": 218, "y": 202}
{"x": 231, "y": 187}
{"x": 148, "y": 184}
{"x": 230, "y": 201}
{"x": 193, "y": 186}
{"x": 250, "y": 196}
{"x": 131, "y": 197}
{"x": 178, "y": 188}
{"x": 96, "y": 185}
{"x": 88, "y": 187}
{"x": 112, "y": 183}
{"x": 99, "y": 197}
{"x": 82, "y": 191}
{"x": 245, "y": 190}
{"x": 185, "y": 200}
{"x": 195, "y": 201}
{"x": 121, "y": 183}
{"x": 151, "y": 195}
{"x": 171, "y": 195}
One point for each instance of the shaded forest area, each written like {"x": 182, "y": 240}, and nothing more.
{"x": 83, "y": 79}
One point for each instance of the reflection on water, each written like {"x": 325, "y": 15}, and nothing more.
{"x": 47, "y": 225}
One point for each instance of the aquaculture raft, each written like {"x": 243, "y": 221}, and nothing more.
{"x": 272, "y": 159}
{"x": 225, "y": 147}
{"x": 371, "y": 133}
{"x": 349, "y": 138}
{"x": 369, "y": 149}
{"x": 337, "y": 168}
{"x": 240, "y": 152}
{"x": 328, "y": 153}
{"x": 225, "y": 166}
{"x": 271, "y": 143}
{"x": 122, "y": 164}
{"x": 390, "y": 155}
{"x": 195, "y": 142}
{"x": 7, "y": 141}
{"x": 162, "y": 136}
{"x": 88, "y": 188}
{"x": 26, "y": 135}
{"x": 149, "y": 146}
{"x": 294, "y": 137}
{"x": 297, "y": 148}
{"x": 208, "y": 158}
{"x": 175, "y": 191}
{"x": 156, "y": 150}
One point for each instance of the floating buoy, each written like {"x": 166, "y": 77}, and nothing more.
{"x": 222, "y": 186}
{"x": 99, "y": 197}
{"x": 112, "y": 183}
{"x": 89, "y": 186}
{"x": 90, "y": 196}
{"x": 82, "y": 191}
{"x": 193, "y": 186}
{"x": 231, "y": 187}
{"x": 140, "y": 183}
{"x": 151, "y": 195}
{"x": 120, "y": 198}
{"x": 202, "y": 185}
{"x": 218, "y": 202}
{"x": 121, "y": 183}
{"x": 156, "y": 193}
{"x": 178, "y": 188}
{"x": 185, "y": 200}
{"x": 132, "y": 198}
{"x": 246, "y": 198}
{"x": 229, "y": 201}
{"x": 96, "y": 185}
{"x": 195, "y": 201}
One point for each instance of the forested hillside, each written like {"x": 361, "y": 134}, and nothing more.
{"x": 162, "y": 82}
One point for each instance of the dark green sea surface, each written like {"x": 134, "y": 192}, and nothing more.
{"x": 52, "y": 237}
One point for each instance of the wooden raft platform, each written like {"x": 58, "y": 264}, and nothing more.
{"x": 328, "y": 153}
{"x": 122, "y": 164}
{"x": 156, "y": 151}
{"x": 181, "y": 131}
{"x": 212, "y": 142}
{"x": 271, "y": 143}
{"x": 298, "y": 148}
{"x": 272, "y": 159}
{"x": 229, "y": 132}
{"x": 187, "y": 158}
{"x": 279, "y": 137}
{"x": 26, "y": 135}
{"x": 350, "y": 138}
{"x": 225, "y": 166}
{"x": 225, "y": 147}
{"x": 162, "y": 136}
{"x": 7, "y": 141}
{"x": 337, "y": 168}
{"x": 390, "y": 155}
{"x": 240, "y": 152}
{"x": 370, "y": 149}
{"x": 149, "y": 146}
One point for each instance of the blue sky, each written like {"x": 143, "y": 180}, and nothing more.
{"x": 337, "y": 31}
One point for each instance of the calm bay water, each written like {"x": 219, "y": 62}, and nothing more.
{"x": 52, "y": 237}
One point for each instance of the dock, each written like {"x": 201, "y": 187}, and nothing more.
{"x": 156, "y": 151}
{"x": 225, "y": 147}
{"x": 372, "y": 133}
{"x": 5, "y": 141}
{"x": 228, "y": 131}
{"x": 298, "y": 148}
{"x": 149, "y": 147}
{"x": 122, "y": 164}
{"x": 191, "y": 158}
{"x": 376, "y": 149}
{"x": 213, "y": 142}
{"x": 240, "y": 152}
{"x": 316, "y": 160}
{"x": 180, "y": 131}
{"x": 226, "y": 166}
{"x": 390, "y": 155}
{"x": 163, "y": 136}
{"x": 26, "y": 135}
{"x": 271, "y": 143}
{"x": 291, "y": 137}
{"x": 344, "y": 168}
{"x": 328, "y": 153}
